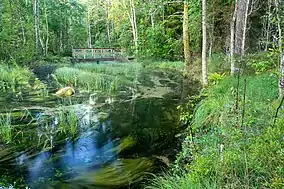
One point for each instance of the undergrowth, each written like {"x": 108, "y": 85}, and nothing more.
{"x": 17, "y": 78}
{"x": 231, "y": 143}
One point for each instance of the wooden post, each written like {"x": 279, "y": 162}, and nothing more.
{"x": 84, "y": 53}
{"x": 93, "y": 53}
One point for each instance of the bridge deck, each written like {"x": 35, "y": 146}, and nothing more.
{"x": 98, "y": 54}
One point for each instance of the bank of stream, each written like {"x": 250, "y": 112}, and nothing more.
{"x": 93, "y": 139}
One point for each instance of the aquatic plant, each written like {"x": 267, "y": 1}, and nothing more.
{"x": 67, "y": 121}
{"x": 15, "y": 78}
{"x": 6, "y": 127}
{"x": 73, "y": 122}
{"x": 98, "y": 77}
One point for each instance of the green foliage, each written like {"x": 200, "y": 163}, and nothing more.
{"x": 16, "y": 79}
{"x": 5, "y": 128}
{"x": 262, "y": 62}
{"x": 215, "y": 78}
{"x": 68, "y": 121}
{"x": 179, "y": 66}
{"x": 182, "y": 181}
{"x": 218, "y": 148}
{"x": 218, "y": 62}
{"x": 103, "y": 77}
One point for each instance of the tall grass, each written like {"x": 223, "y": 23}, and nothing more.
{"x": 6, "y": 128}
{"x": 252, "y": 152}
{"x": 15, "y": 78}
{"x": 68, "y": 121}
{"x": 180, "y": 181}
{"x": 104, "y": 77}
{"x": 179, "y": 66}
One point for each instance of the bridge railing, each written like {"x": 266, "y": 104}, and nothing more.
{"x": 95, "y": 53}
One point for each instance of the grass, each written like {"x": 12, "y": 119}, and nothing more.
{"x": 5, "y": 128}
{"x": 16, "y": 78}
{"x": 68, "y": 121}
{"x": 252, "y": 155}
{"x": 102, "y": 77}
{"x": 179, "y": 66}
{"x": 180, "y": 181}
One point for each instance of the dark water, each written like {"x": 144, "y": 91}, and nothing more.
{"x": 73, "y": 143}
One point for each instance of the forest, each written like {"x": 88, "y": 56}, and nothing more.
{"x": 154, "y": 94}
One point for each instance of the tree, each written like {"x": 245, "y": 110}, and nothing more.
{"x": 36, "y": 25}
{"x": 204, "y": 45}
{"x": 232, "y": 39}
{"x": 186, "y": 36}
{"x": 280, "y": 43}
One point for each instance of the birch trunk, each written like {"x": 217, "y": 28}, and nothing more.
{"x": 186, "y": 45}
{"x": 281, "y": 55}
{"x": 245, "y": 28}
{"x": 89, "y": 41}
{"x": 135, "y": 32}
{"x": 132, "y": 18}
{"x": 240, "y": 25}
{"x": 22, "y": 29}
{"x": 36, "y": 25}
{"x": 47, "y": 32}
{"x": 232, "y": 40}
{"x": 204, "y": 45}
{"x": 268, "y": 25}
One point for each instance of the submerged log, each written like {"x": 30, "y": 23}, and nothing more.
{"x": 65, "y": 92}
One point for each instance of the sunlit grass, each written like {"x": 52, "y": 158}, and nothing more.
{"x": 98, "y": 77}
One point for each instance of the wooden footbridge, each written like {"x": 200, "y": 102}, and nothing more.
{"x": 98, "y": 54}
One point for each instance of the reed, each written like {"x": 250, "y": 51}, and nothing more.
{"x": 6, "y": 128}
{"x": 107, "y": 78}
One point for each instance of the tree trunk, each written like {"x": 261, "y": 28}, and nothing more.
{"x": 36, "y": 26}
{"x": 21, "y": 29}
{"x": 151, "y": 12}
{"x": 281, "y": 54}
{"x": 232, "y": 40}
{"x": 204, "y": 45}
{"x": 267, "y": 36}
{"x": 186, "y": 37}
{"x": 47, "y": 32}
{"x": 241, "y": 17}
{"x": 245, "y": 28}
{"x": 108, "y": 23}
{"x": 89, "y": 30}
{"x": 135, "y": 32}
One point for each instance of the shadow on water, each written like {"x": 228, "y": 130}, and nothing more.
{"x": 82, "y": 145}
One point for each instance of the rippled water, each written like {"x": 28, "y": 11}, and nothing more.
{"x": 110, "y": 143}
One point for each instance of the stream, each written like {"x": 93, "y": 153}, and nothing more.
{"x": 93, "y": 140}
